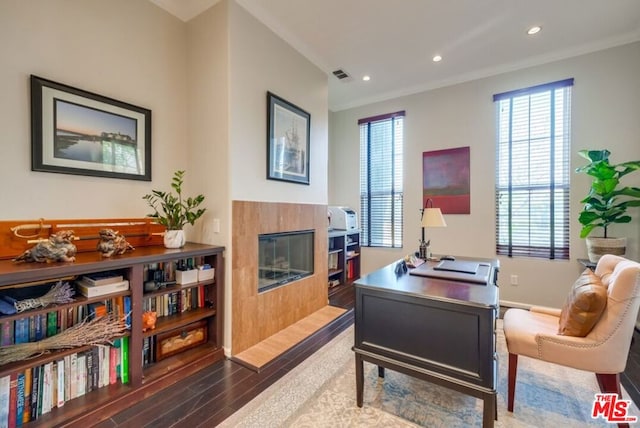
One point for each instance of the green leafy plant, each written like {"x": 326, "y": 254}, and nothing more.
{"x": 172, "y": 210}
{"x": 607, "y": 202}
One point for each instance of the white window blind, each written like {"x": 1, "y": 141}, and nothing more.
{"x": 381, "y": 175}
{"x": 532, "y": 171}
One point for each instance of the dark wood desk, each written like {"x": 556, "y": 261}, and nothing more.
{"x": 438, "y": 330}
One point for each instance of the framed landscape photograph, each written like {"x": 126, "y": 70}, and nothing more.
{"x": 79, "y": 132}
{"x": 288, "y": 137}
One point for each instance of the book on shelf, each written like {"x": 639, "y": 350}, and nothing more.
{"x": 97, "y": 310}
{"x": 20, "y": 388}
{"x": 13, "y": 400}
{"x": 73, "y": 376}
{"x": 54, "y": 385}
{"x": 28, "y": 380}
{"x": 32, "y": 328}
{"x": 89, "y": 290}
{"x": 44, "y": 404}
{"x": 113, "y": 363}
{"x": 90, "y": 370}
{"x": 124, "y": 361}
{"x": 81, "y": 375}
{"x": 127, "y": 311}
{"x": 61, "y": 376}
{"x": 21, "y": 330}
{"x": 35, "y": 391}
{"x": 6, "y": 333}
{"x": 102, "y": 278}
{"x": 52, "y": 323}
{"x": 5, "y": 386}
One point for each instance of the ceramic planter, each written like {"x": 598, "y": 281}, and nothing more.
{"x": 174, "y": 238}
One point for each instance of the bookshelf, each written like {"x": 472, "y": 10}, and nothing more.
{"x": 343, "y": 258}
{"x": 202, "y": 313}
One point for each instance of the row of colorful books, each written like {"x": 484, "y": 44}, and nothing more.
{"x": 176, "y": 302}
{"x": 33, "y": 328}
{"x": 29, "y": 394}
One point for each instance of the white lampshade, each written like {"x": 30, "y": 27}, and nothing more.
{"x": 432, "y": 217}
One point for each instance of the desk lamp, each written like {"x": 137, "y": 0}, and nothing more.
{"x": 431, "y": 217}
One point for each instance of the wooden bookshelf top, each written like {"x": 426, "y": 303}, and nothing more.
{"x": 12, "y": 273}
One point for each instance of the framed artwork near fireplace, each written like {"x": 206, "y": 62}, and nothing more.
{"x": 288, "y": 137}
{"x": 79, "y": 132}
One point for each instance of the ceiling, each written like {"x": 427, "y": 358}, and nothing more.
{"x": 394, "y": 41}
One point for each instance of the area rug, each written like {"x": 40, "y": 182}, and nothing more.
{"x": 320, "y": 392}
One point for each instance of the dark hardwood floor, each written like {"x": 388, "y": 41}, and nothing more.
{"x": 207, "y": 398}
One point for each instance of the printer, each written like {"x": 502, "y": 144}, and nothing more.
{"x": 343, "y": 218}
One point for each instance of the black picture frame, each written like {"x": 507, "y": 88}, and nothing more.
{"x": 82, "y": 133}
{"x": 288, "y": 141}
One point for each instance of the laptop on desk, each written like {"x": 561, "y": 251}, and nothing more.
{"x": 466, "y": 271}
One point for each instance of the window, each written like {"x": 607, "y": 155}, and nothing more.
{"x": 532, "y": 171}
{"x": 381, "y": 186}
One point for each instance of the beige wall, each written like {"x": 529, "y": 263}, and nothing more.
{"x": 606, "y": 113}
{"x": 204, "y": 81}
{"x": 259, "y": 62}
{"x": 129, "y": 50}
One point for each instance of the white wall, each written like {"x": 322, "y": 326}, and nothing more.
{"x": 129, "y": 50}
{"x": 259, "y": 62}
{"x": 606, "y": 112}
{"x": 233, "y": 60}
{"x": 208, "y": 118}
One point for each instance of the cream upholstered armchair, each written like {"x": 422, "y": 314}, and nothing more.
{"x": 604, "y": 349}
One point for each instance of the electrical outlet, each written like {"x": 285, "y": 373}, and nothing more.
{"x": 514, "y": 279}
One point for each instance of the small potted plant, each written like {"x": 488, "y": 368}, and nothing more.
{"x": 173, "y": 211}
{"x": 607, "y": 202}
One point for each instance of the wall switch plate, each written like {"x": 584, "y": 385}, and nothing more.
{"x": 514, "y": 279}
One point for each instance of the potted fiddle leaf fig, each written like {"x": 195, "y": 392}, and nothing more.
{"x": 174, "y": 211}
{"x": 607, "y": 202}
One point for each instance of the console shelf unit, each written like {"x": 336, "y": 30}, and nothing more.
{"x": 344, "y": 258}
{"x": 100, "y": 404}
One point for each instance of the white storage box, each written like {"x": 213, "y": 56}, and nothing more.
{"x": 206, "y": 274}
{"x": 186, "y": 276}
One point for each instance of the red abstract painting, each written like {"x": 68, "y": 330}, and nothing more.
{"x": 446, "y": 180}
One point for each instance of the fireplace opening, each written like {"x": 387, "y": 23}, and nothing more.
{"x": 284, "y": 258}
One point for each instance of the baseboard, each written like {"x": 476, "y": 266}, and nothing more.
{"x": 509, "y": 304}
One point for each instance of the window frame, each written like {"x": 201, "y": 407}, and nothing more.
{"x": 375, "y": 230}
{"x": 557, "y": 183}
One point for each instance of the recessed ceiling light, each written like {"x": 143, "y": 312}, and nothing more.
{"x": 437, "y": 58}
{"x": 366, "y": 78}
{"x": 534, "y": 30}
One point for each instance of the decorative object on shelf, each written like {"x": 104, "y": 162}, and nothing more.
{"x": 97, "y": 331}
{"x": 431, "y": 217}
{"x": 60, "y": 293}
{"x": 173, "y": 211}
{"x": 179, "y": 340}
{"x": 149, "y": 320}
{"x": 446, "y": 179}
{"x": 112, "y": 243}
{"x": 82, "y": 133}
{"x": 607, "y": 202}
{"x": 288, "y": 141}
{"x": 58, "y": 248}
